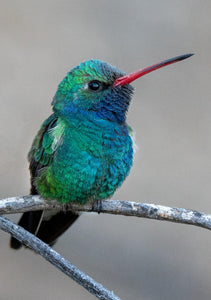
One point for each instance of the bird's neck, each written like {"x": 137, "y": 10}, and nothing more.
{"x": 101, "y": 111}
{"x": 110, "y": 112}
{"x": 79, "y": 118}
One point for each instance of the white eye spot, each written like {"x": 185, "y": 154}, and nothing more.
{"x": 86, "y": 86}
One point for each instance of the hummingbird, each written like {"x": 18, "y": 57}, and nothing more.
{"x": 84, "y": 151}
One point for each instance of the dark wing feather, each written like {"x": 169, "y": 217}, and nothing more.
{"x": 48, "y": 230}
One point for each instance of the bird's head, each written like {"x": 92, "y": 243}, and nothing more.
{"x": 97, "y": 88}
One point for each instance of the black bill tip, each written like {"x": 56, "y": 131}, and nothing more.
{"x": 184, "y": 56}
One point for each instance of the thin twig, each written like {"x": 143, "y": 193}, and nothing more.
{"x": 56, "y": 259}
{"x": 126, "y": 208}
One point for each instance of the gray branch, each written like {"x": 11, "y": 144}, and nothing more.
{"x": 126, "y": 208}
{"x": 56, "y": 259}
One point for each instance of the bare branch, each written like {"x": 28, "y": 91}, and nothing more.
{"x": 126, "y": 208}
{"x": 56, "y": 259}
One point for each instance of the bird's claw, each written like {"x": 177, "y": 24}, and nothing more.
{"x": 99, "y": 206}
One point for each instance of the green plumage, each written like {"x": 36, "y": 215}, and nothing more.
{"x": 84, "y": 155}
{"x": 83, "y": 151}
{"x": 82, "y": 161}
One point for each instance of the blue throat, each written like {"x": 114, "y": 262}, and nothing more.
{"x": 112, "y": 107}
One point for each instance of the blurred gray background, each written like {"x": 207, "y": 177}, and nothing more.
{"x": 137, "y": 258}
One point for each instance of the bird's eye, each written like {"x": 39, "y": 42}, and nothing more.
{"x": 95, "y": 85}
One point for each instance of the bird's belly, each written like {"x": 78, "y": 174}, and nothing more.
{"x": 88, "y": 172}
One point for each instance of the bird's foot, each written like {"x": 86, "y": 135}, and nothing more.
{"x": 99, "y": 206}
{"x": 65, "y": 207}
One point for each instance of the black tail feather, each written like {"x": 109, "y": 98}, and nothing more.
{"x": 28, "y": 221}
{"x": 49, "y": 230}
